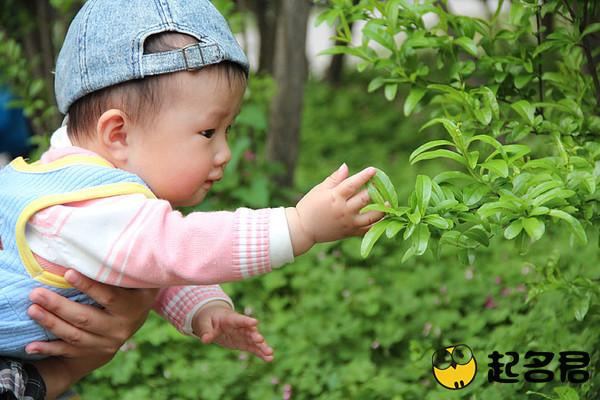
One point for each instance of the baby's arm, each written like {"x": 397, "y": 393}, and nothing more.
{"x": 181, "y": 304}
{"x": 138, "y": 242}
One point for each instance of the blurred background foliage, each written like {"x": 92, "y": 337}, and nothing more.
{"x": 344, "y": 326}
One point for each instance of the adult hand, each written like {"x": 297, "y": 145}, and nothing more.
{"x": 85, "y": 330}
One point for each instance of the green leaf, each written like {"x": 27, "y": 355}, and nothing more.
{"x": 495, "y": 207}
{"x": 393, "y": 228}
{"x": 467, "y": 44}
{"x": 421, "y": 239}
{"x": 438, "y": 221}
{"x": 377, "y": 207}
{"x": 478, "y": 234}
{"x": 450, "y": 126}
{"x": 557, "y": 193}
{"x": 413, "y": 98}
{"x": 483, "y": 115}
{"x": 428, "y": 155}
{"x": 408, "y": 254}
{"x": 592, "y": 28}
{"x": 374, "y": 194}
{"x": 375, "y": 84}
{"x": 427, "y": 146}
{"x": 525, "y": 110}
{"x": 522, "y": 80}
{"x": 513, "y": 230}
{"x": 423, "y": 192}
{"x": 390, "y": 91}
{"x": 582, "y": 306}
{"x": 452, "y": 175}
{"x": 385, "y": 187}
{"x": 499, "y": 167}
{"x": 372, "y": 236}
{"x": 566, "y": 393}
{"x": 472, "y": 194}
{"x": 473, "y": 157}
{"x": 573, "y": 223}
{"x": 534, "y": 228}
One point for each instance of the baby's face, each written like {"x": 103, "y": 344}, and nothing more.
{"x": 184, "y": 151}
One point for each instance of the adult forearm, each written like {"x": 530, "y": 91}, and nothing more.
{"x": 61, "y": 373}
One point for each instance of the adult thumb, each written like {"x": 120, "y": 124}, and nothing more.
{"x": 338, "y": 176}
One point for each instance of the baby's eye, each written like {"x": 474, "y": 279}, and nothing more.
{"x": 209, "y": 133}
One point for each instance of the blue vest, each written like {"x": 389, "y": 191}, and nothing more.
{"x": 24, "y": 190}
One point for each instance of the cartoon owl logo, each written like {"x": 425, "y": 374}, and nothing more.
{"x": 454, "y": 367}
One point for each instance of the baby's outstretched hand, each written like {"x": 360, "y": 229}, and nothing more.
{"x": 217, "y": 323}
{"x": 331, "y": 210}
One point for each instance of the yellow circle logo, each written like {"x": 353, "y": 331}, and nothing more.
{"x": 454, "y": 367}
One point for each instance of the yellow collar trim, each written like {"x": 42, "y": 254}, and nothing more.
{"x": 31, "y": 265}
{"x": 19, "y": 164}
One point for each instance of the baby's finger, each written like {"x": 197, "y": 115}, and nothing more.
{"x": 352, "y": 184}
{"x": 358, "y": 201}
{"x": 367, "y": 219}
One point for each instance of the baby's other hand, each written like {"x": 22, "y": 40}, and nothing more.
{"x": 331, "y": 210}
{"x": 217, "y": 323}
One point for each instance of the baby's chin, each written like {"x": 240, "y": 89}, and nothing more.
{"x": 194, "y": 200}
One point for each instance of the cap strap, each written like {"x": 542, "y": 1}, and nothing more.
{"x": 188, "y": 58}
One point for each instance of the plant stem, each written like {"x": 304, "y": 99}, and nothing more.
{"x": 538, "y": 18}
{"x": 588, "y": 52}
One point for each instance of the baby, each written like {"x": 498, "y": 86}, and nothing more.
{"x": 151, "y": 89}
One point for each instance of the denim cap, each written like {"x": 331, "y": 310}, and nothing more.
{"x": 104, "y": 45}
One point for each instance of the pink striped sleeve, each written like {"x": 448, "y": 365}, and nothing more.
{"x": 137, "y": 242}
{"x": 179, "y": 304}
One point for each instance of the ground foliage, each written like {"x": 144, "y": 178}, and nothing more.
{"x": 344, "y": 326}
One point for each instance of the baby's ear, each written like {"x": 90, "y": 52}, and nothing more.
{"x": 112, "y": 130}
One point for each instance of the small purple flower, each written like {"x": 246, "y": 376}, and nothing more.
{"x": 287, "y": 391}
{"x": 274, "y": 380}
{"x": 526, "y": 269}
{"x": 249, "y": 155}
{"x": 506, "y": 291}
{"x": 521, "y": 288}
{"x": 375, "y": 344}
{"x": 243, "y": 357}
{"x": 498, "y": 280}
{"x": 490, "y": 303}
{"x": 443, "y": 289}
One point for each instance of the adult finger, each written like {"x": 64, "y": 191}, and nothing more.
{"x": 111, "y": 297}
{"x": 352, "y": 184}
{"x": 60, "y": 348}
{"x": 67, "y": 332}
{"x": 79, "y": 315}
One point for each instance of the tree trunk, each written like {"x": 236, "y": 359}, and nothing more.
{"x": 336, "y": 66}
{"x": 266, "y": 12}
{"x": 290, "y": 75}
